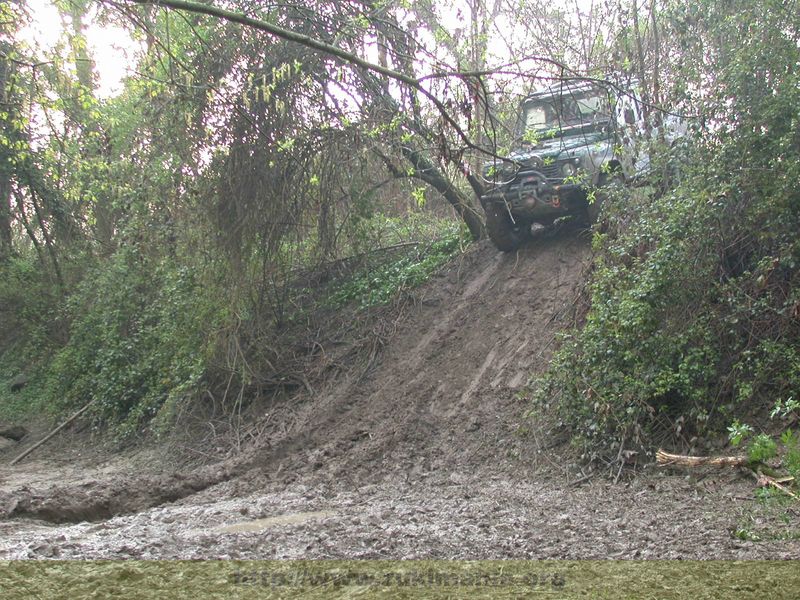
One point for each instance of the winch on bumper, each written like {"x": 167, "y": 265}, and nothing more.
{"x": 531, "y": 195}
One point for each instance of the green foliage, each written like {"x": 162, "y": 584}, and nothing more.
{"x": 791, "y": 442}
{"x": 646, "y": 349}
{"x": 746, "y": 535}
{"x": 737, "y": 432}
{"x": 790, "y": 439}
{"x": 381, "y": 282}
{"x": 30, "y": 328}
{"x": 696, "y": 287}
{"x": 785, "y": 408}
{"x": 761, "y": 449}
{"x": 28, "y": 301}
{"x": 138, "y": 340}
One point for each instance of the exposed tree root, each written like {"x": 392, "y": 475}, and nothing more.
{"x": 776, "y": 482}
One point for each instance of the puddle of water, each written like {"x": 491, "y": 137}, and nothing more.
{"x": 262, "y": 524}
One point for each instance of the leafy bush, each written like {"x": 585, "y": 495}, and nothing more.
{"x": 692, "y": 306}
{"x": 27, "y": 306}
{"x": 791, "y": 442}
{"x": 137, "y": 342}
{"x": 761, "y": 449}
{"x": 31, "y": 327}
{"x": 647, "y": 347}
{"x": 378, "y": 283}
{"x": 694, "y": 315}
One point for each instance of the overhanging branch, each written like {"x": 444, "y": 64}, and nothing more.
{"x": 315, "y": 44}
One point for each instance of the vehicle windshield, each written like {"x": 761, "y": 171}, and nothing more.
{"x": 550, "y": 115}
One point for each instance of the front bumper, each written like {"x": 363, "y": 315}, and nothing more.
{"x": 532, "y": 195}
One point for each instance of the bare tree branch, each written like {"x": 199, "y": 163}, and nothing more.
{"x": 310, "y": 42}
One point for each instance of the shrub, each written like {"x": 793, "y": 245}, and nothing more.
{"x": 138, "y": 340}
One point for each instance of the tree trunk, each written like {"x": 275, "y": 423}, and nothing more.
{"x": 104, "y": 215}
{"x": 23, "y": 218}
{"x": 5, "y": 154}
{"x": 641, "y": 68}
{"x": 428, "y": 172}
{"x": 5, "y": 214}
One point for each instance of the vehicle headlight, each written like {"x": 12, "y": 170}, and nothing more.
{"x": 569, "y": 169}
{"x": 509, "y": 170}
{"x": 500, "y": 170}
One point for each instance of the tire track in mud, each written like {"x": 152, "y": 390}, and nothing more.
{"x": 470, "y": 289}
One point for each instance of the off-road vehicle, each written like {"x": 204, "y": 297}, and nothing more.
{"x": 572, "y": 140}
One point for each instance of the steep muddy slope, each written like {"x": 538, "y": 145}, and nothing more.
{"x": 443, "y": 392}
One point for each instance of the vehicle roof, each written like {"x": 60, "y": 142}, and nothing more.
{"x": 564, "y": 87}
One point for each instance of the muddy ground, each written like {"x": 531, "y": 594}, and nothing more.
{"x": 423, "y": 450}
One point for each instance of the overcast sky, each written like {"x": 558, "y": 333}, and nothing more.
{"x": 111, "y": 47}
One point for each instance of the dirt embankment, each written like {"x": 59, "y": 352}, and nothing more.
{"x": 421, "y": 451}
{"x": 444, "y": 392}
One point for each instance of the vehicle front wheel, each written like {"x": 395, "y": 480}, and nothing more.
{"x": 505, "y": 234}
{"x": 609, "y": 184}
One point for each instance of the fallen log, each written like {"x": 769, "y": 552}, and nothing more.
{"x": 665, "y": 459}
{"x": 51, "y": 434}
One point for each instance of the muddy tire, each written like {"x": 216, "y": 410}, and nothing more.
{"x": 593, "y": 209}
{"x": 608, "y": 182}
{"x": 507, "y": 236}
